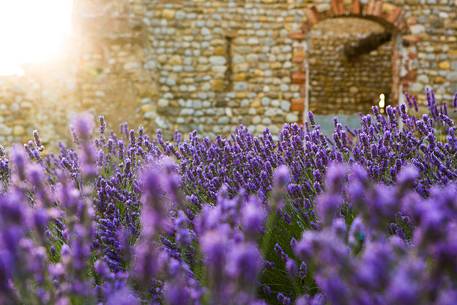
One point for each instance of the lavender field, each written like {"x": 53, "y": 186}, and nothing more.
{"x": 364, "y": 217}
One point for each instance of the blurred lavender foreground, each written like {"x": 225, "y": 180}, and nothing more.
{"x": 365, "y": 217}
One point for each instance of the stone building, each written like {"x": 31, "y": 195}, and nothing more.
{"x": 211, "y": 65}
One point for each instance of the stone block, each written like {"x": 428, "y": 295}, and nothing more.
{"x": 417, "y": 29}
{"x": 218, "y": 85}
{"x": 168, "y": 14}
{"x": 163, "y": 103}
{"x": 285, "y": 105}
{"x": 239, "y": 77}
{"x": 147, "y": 108}
{"x": 18, "y": 131}
{"x": 217, "y": 60}
{"x": 439, "y": 80}
{"x": 256, "y": 104}
{"x": 220, "y": 51}
{"x": 175, "y": 60}
{"x": 444, "y": 65}
{"x": 292, "y": 118}
{"x": 452, "y": 76}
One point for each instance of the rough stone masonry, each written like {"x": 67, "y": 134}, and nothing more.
{"x": 212, "y": 65}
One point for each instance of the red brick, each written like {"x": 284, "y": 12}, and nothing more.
{"x": 298, "y": 55}
{"x": 298, "y": 104}
{"x": 411, "y": 76}
{"x": 298, "y": 59}
{"x": 298, "y": 77}
{"x": 297, "y": 35}
{"x": 412, "y": 20}
{"x": 393, "y": 15}
{"x": 377, "y": 10}
{"x": 356, "y": 8}
{"x": 369, "y": 8}
{"x": 411, "y": 38}
{"x": 306, "y": 27}
{"x": 313, "y": 15}
{"x": 401, "y": 24}
{"x": 337, "y": 7}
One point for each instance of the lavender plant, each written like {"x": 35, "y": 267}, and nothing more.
{"x": 362, "y": 217}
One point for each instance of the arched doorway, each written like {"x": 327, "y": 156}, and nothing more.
{"x": 326, "y": 86}
{"x": 341, "y": 85}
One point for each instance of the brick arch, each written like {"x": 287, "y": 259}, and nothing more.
{"x": 388, "y": 15}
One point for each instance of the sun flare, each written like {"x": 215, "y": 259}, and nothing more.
{"x": 32, "y": 31}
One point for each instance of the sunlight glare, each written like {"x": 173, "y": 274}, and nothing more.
{"x": 32, "y": 31}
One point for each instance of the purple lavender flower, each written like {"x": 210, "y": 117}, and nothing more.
{"x": 123, "y": 297}
{"x": 244, "y": 263}
{"x": 281, "y": 176}
{"x": 364, "y": 216}
{"x": 253, "y": 217}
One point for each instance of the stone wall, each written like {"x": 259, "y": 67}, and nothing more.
{"x": 43, "y": 98}
{"x": 204, "y": 87}
{"x": 212, "y": 65}
{"x": 115, "y": 73}
{"x": 262, "y": 82}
